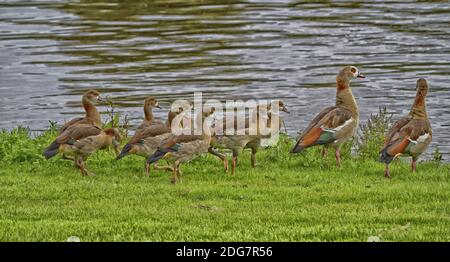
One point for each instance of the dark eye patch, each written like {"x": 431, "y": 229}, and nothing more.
{"x": 353, "y": 70}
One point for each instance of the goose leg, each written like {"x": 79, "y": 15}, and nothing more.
{"x": 254, "y": 150}
{"x": 84, "y": 169}
{"x": 179, "y": 174}
{"x": 338, "y": 157}
{"x": 68, "y": 157}
{"x": 165, "y": 168}
{"x": 78, "y": 165}
{"x": 414, "y": 165}
{"x": 386, "y": 171}
{"x": 175, "y": 172}
{"x": 221, "y": 156}
{"x": 234, "y": 162}
{"x": 147, "y": 169}
{"x": 324, "y": 151}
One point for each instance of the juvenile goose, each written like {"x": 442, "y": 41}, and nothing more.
{"x": 80, "y": 141}
{"x": 146, "y": 140}
{"x": 92, "y": 115}
{"x": 255, "y": 143}
{"x": 237, "y": 140}
{"x": 410, "y": 135}
{"x": 180, "y": 149}
{"x": 334, "y": 125}
{"x": 149, "y": 120}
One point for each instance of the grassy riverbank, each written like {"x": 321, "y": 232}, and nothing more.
{"x": 286, "y": 198}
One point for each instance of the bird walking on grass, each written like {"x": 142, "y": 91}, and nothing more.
{"x": 147, "y": 139}
{"x": 79, "y": 141}
{"x": 183, "y": 148}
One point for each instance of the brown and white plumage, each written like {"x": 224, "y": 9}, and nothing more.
{"x": 92, "y": 116}
{"x": 410, "y": 135}
{"x": 183, "y": 148}
{"x": 336, "y": 124}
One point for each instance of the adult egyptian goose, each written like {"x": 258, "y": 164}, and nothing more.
{"x": 80, "y": 141}
{"x": 183, "y": 148}
{"x": 337, "y": 124}
{"x": 410, "y": 135}
{"x": 149, "y": 103}
{"x": 92, "y": 115}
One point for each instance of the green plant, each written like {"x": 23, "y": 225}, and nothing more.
{"x": 370, "y": 136}
{"x": 113, "y": 117}
{"x": 437, "y": 156}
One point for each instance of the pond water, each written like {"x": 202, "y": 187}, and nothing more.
{"x": 52, "y": 51}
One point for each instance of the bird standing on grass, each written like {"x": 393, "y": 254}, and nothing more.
{"x": 183, "y": 148}
{"x": 337, "y": 124}
{"x": 249, "y": 136}
{"x": 410, "y": 135}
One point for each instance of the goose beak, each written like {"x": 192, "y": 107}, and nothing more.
{"x": 284, "y": 109}
{"x": 360, "y": 75}
{"x": 101, "y": 99}
{"x": 158, "y": 106}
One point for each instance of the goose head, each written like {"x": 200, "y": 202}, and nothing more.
{"x": 350, "y": 72}
{"x": 115, "y": 137}
{"x": 93, "y": 96}
{"x": 151, "y": 102}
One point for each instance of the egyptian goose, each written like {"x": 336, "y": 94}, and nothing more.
{"x": 410, "y": 135}
{"x": 145, "y": 141}
{"x": 80, "y": 141}
{"x": 92, "y": 115}
{"x": 149, "y": 120}
{"x": 183, "y": 148}
{"x": 337, "y": 124}
{"x": 255, "y": 143}
{"x": 238, "y": 139}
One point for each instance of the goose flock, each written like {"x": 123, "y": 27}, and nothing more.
{"x": 155, "y": 140}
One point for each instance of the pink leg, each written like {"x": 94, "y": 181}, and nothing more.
{"x": 324, "y": 151}
{"x": 233, "y": 166}
{"x": 147, "y": 169}
{"x": 338, "y": 157}
{"x": 386, "y": 171}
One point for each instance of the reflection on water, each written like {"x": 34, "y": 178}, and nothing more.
{"x": 52, "y": 51}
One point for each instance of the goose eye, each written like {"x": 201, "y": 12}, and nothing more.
{"x": 353, "y": 70}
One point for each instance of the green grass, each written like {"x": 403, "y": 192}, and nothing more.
{"x": 286, "y": 198}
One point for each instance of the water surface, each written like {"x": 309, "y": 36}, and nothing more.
{"x": 52, "y": 51}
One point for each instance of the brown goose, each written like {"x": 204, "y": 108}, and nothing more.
{"x": 180, "y": 149}
{"x": 80, "y": 141}
{"x": 237, "y": 140}
{"x": 92, "y": 115}
{"x": 255, "y": 143}
{"x": 337, "y": 124}
{"x": 146, "y": 140}
{"x": 410, "y": 135}
{"x": 149, "y": 120}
